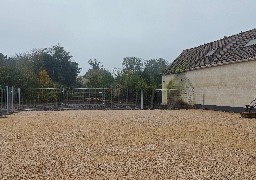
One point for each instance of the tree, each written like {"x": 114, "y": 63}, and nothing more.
{"x": 131, "y": 75}
{"x": 23, "y": 70}
{"x": 44, "y": 79}
{"x": 97, "y": 76}
{"x": 153, "y": 75}
{"x": 25, "y": 77}
{"x": 4, "y": 70}
{"x": 58, "y": 63}
{"x": 129, "y": 80}
{"x": 2, "y": 57}
{"x": 153, "y": 71}
{"x": 95, "y": 64}
{"x": 132, "y": 65}
{"x": 66, "y": 70}
{"x": 18, "y": 71}
{"x": 9, "y": 73}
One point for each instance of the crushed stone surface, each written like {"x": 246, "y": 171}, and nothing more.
{"x": 149, "y": 144}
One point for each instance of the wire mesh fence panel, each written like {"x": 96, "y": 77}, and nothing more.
{"x": 9, "y": 100}
{"x": 83, "y": 98}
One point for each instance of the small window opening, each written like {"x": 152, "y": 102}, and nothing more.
{"x": 251, "y": 42}
{"x": 211, "y": 52}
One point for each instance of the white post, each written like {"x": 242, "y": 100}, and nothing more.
{"x": 111, "y": 98}
{"x": 12, "y": 98}
{"x": 89, "y": 98}
{"x": 104, "y": 97}
{"x": 19, "y": 96}
{"x": 7, "y": 100}
{"x": 63, "y": 96}
{"x": 141, "y": 99}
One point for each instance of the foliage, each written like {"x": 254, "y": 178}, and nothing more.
{"x": 46, "y": 95}
{"x": 175, "y": 96}
{"x": 153, "y": 72}
{"x": 170, "y": 85}
{"x": 176, "y": 87}
{"x": 181, "y": 67}
{"x": 137, "y": 75}
{"x": 132, "y": 65}
{"x": 44, "y": 79}
{"x": 132, "y": 73}
{"x": 153, "y": 76}
{"x": 23, "y": 70}
{"x": 58, "y": 63}
{"x": 95, "y": 64}
{"x": 97, "y": 76}
{"x": 54, "y": 67}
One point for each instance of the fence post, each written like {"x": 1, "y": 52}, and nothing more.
{"x": 141, "y": 99}
{"x": 19, "y": 97}
{"x": 12, "y": 91}
{"x": 7, "y": 100}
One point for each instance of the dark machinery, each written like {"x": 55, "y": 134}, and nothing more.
{"x": 248, "y": 110}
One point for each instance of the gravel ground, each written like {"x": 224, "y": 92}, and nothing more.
{"x": 157, "y": 144}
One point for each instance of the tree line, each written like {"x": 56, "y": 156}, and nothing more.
{"x": 54, "y": 68}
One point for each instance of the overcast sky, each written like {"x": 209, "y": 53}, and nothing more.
{"x": 110, "y": 30}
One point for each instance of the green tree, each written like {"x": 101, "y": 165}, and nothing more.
{"x": 44, "y": 79}
{"x": 4, "y": 70}
{"x": 58, "y": 63}
{"x": 153, "y": 71}
{"x": 66, "y": 70}
{"x": 153, "y": 75}
{"x": 23, "y": 70}
{"x": 131, "y": 74}
{"x": 95, "y": 64}
{"x": 97, "y": 76}
{"x": 17, "y": 71}
{"x": 25, "y": 77}
{"x": 132, "y": 65}
{"x": 129, "y": 80}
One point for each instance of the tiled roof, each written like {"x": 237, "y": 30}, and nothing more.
{"x": 229, "y": 49}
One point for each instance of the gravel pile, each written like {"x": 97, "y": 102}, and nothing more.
{"x": 157, "y": 144}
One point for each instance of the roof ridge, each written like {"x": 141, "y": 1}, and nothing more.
{"x": 224, "y": 38}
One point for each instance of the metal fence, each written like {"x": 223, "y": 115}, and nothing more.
{"x": 10, "y": 99}
{"x": 83, "y": 98}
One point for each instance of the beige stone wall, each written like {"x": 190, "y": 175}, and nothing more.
{"x": 225, "y": 85}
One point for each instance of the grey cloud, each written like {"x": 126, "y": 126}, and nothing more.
{"x": 112, "y": 29}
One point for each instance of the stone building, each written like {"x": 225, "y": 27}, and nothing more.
{"x": 216, "y": 75}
